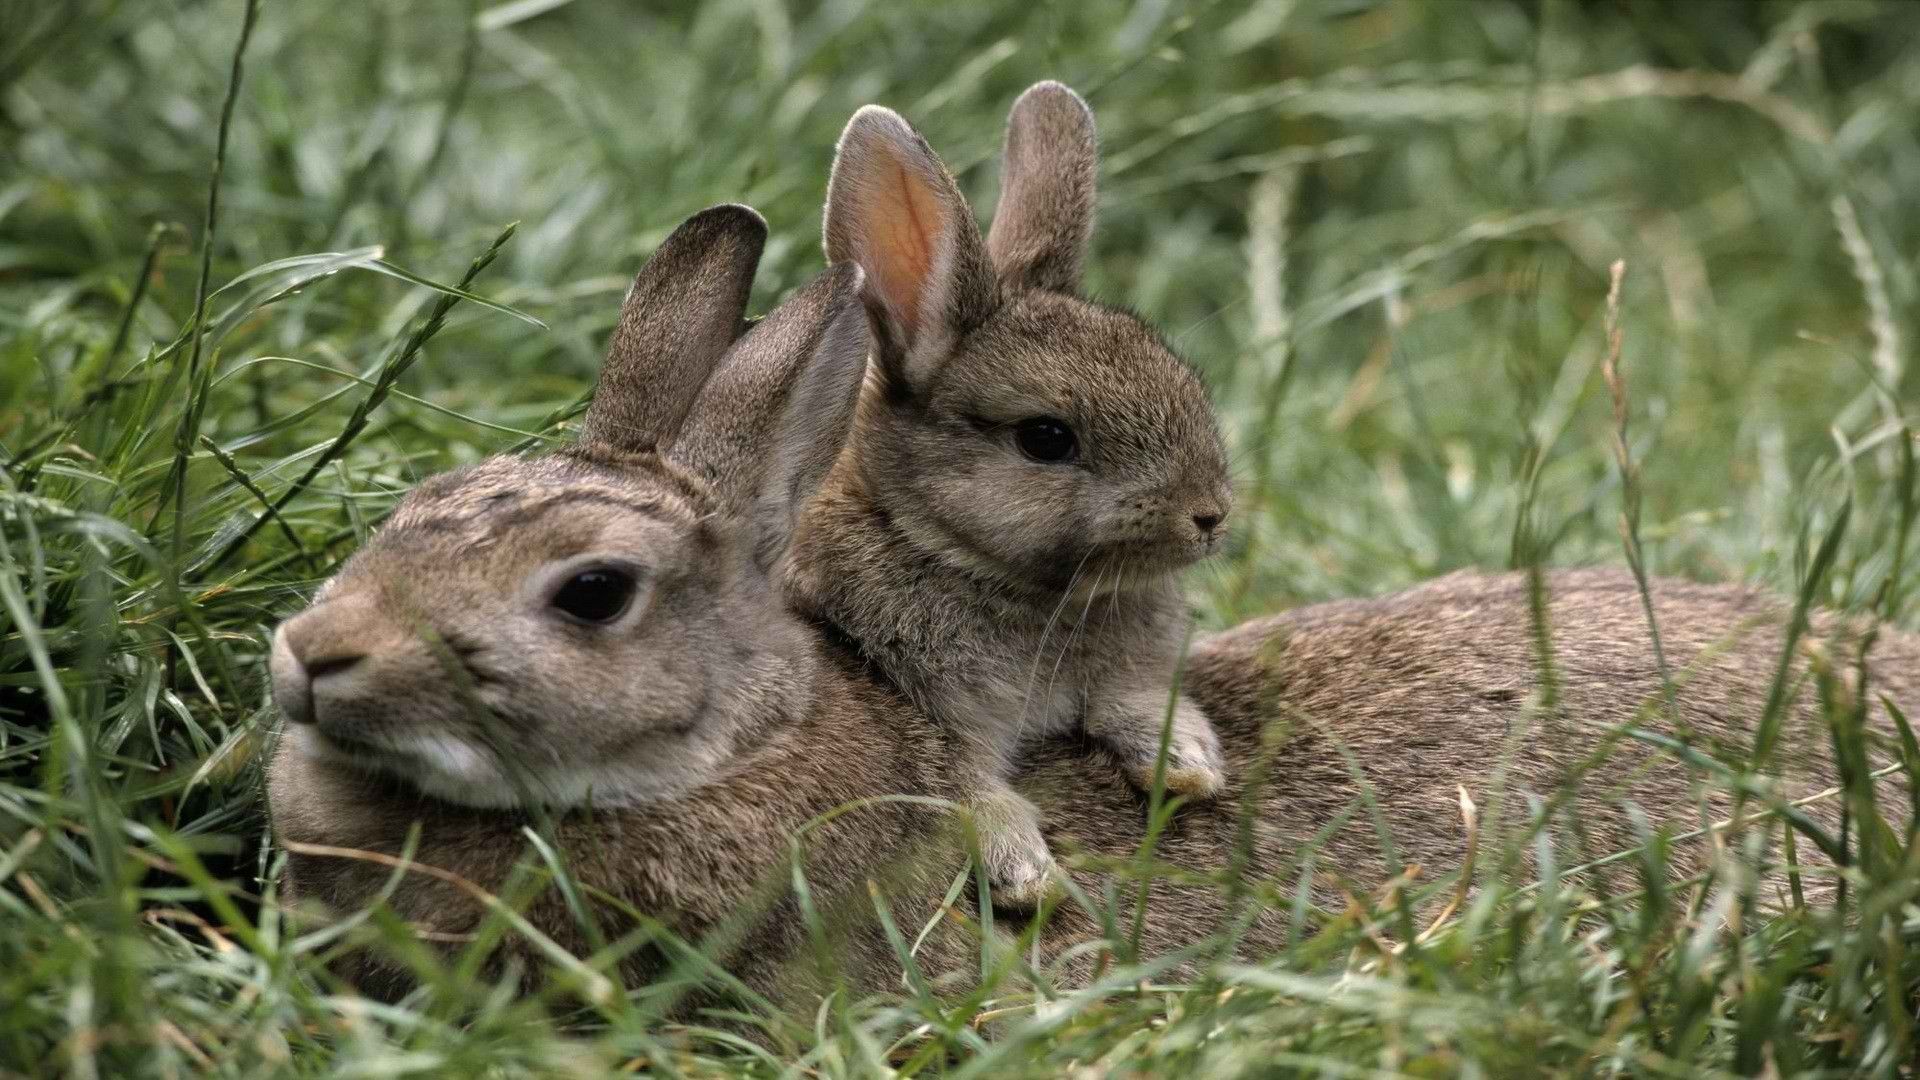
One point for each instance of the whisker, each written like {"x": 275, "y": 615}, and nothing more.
{"x": 1046, "y": 632}
{"x": 1075, "y": 632}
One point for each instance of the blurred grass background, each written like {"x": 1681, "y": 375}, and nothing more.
{"x": 1382, "y": 228}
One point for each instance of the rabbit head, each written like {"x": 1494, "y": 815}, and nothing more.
{"x": 1033, "y": 433}
{"x": 591, "y": 625}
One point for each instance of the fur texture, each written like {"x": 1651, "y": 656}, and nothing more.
{"x": 1425, "y": 689}
{"x": 442, "y": 654}
{"x": 677, "y": 745}
{"x": 681, "y": 747}
{"x": 1413, "y": 695}
{"x": 1012, "y": 597}
{"x": 712, "y": 864}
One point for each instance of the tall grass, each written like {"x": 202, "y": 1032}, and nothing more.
{"x": 249, "y": 295}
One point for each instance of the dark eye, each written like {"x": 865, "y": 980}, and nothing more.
{"x": 1044, "y": 438}
{"x": 595, "y": 596}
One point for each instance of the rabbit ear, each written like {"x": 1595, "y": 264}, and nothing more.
{"x": 893, "y": 209}
{"x": 679, "y": 317}
{"x": 771, "y": 421}
{"x": 1040, "y": 232}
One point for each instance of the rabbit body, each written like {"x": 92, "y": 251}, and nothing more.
{"x": 711, "y": 861}
{"x": 1408, "y": 698}
{"x": 1029, "y": 473}
{"x": 592, "y": 637}
{"x": 1405, "y": 698}
{"x": 597, "y": 639}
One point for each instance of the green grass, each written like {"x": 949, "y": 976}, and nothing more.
{"x": 1382, "y": 229}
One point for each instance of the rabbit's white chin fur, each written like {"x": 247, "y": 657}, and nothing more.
{"x": 452, "y": 769}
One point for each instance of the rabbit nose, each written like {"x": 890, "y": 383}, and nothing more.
{"x": 1208, "y": 518}
{"x": 324, "y": 646}
{"x": 331, "y": 665}
{"x": 292, "y": 685}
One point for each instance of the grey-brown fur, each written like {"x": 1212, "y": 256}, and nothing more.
{"x": 1424, "y": 688}
{"x": 670, "y": 320}
{"x": 446, "y": 619}
{"x": 1430, "y": 689}
{"x": 744, "y": 725}
{"x": 1045, "y": 218}
{"x": 1011, "y": 598}
{"x": 678, "y": 746}
{"x": 717, "y": 856}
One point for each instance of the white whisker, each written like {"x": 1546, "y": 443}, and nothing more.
{"x": 1092, "y": 594}
{"x": 1046, "y": 631}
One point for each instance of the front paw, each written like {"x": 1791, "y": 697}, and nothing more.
{"x": 1020, "y": 869}
{"x": 1195, "y": 766}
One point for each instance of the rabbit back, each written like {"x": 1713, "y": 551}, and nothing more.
{"x": 1404, "y": 699}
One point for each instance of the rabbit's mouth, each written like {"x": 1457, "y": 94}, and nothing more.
{"x": 347, "y": 745}
{"x": 442, "y": 765}
{"x": 1126, "y": 570}
{"x": 1144, "y": 559}
{"x": 462, "y": 770}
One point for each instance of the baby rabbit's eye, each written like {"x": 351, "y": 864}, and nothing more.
{"x": 1044, "y": 438}
{"x": 599, "y": 595}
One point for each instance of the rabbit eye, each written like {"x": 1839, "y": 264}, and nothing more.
{"x": 599, "y": 595}
{"x": 1046, "y": 439}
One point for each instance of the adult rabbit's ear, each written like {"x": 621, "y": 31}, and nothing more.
{"x": 1040, "y": 232}
{"x": 772, "y": 419}
{"x": 893, "y": 209}
{"x": 678, "y": 320}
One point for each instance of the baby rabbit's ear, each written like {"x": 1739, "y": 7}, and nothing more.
{"x": 893, "y": 209}
{"x": 771, "y": 421}
{"x": 1039, "y": 235}
{"x": 679, "y": 318}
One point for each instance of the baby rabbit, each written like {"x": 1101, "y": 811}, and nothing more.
{"x": 1028, "y": 474}
{"x": 596, "y": 628}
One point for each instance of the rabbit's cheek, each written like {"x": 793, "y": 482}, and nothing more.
{"x": 449, "y": 759}
{"x": 456, "y": 773}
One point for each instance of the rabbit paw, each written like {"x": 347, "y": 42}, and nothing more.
{"x": 1020, "y": 869}
{"x": 1195, "y": 766}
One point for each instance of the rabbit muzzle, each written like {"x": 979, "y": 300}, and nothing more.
{"x": 308, "y": 670}
{"x": 334, "y": 668}
{"x": 1209, "y": 522}
{"x": 1169, "y": 536}
{"x": 362, "y": 696}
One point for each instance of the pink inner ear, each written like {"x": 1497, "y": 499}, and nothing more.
{"x": 906, "y": 230}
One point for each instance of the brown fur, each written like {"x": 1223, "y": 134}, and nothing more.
{"x": 668, "y": 318}
{"x": 696, "y": 863}
{"x": 1009, "y": 597}
{"x": 738, "y": 725}
{"x": 1424, "y": 688}
{"x": 1045, "y": 217}
{"x": 677, "y": 744}
{"x": 1430, "y": 690}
